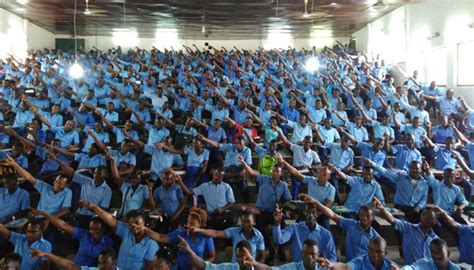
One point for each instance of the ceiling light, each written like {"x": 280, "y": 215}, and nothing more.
{"x": 312, "y": 64}
{"x": 203, "y": 30}
{"x": 23, "y": 2}
{"x": 305, "y": 14}
{"x": 76, "y": 71}
{"x": 334, "y": 4}
{"x": 87, "y": 12}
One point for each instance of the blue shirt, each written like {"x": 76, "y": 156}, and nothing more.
{"x": 293, "y": 266}
{"x": 404, "y": 156}
{"x": 133, "y": 255}
{"x": 256, "y": 242}
{"x": 357, "y": 240}
{"x": 127, "y": 159}
{"x": 319, "y": 192}
{"x": 341, "y": 158}
{"x": 428, "y": 264}
{"x": 406, "y": 193}
{"x": 222, "y": 266}
{"x": 217, "y": 135}
{"x": 299, "y": 232}
{"x": 13, "y": 203}
{"x": 161, "y": 160}
{"x": 23, "y": 248}
{"x": 303, "y": 158}
{"x": 417, "y": 133}
{"x": 156, "y": 135}
{"x": 359, "y": 133}
{"x": 415, "y": 244}
{"x": 364, "y": 263}
{"x": 444, "y": 158}
{"x": 200, "y": 246}
{"x": 215, "y": 195}
{"x": 88, "y": 251}
{"x": 466, "y": 244}
{"x": 362, "y": 193}
{"x": 51, "y": 202}
{"x": 269, "y": 194}
{"x": 67, "y": 139}
{"x": 169, "y": 198}
{"x": 231, "y": 154}
{"x": 299, "y": 132}
{"x": 133, "y": 199}
{"x": 100, "y": 195}
{"x": 380, "y": 130}
{"x": 441, "y": 133}
{"x": 86, "y": 161}
{"x": 446, "y": 197}
{"x": 195, "y": 160}
{"x": 329, "y": 135}
{"x": 368, "y": 152}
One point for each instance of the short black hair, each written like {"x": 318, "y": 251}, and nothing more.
{"x": 13, "y": 257}
{"x": 243, "y": 244}
{"x": 110, "y": 252}
{"x": 135, "y": 213}
{"x": 310, "y": 242}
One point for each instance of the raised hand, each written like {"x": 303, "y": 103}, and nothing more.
{"x": 35, "y": 253}
{"x": 183, "y": 244}
{"x": 278, "y": 214}
{"x": 426, "y": 167}
{"x": 376, "y": 203}
{"x": 305, "y": 198}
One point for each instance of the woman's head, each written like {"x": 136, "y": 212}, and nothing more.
{"x": 197, "y": 217}
{"x": 170, "y": 177}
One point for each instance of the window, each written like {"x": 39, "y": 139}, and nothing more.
{"x": 437, "y": 66}
{"x": 465, "y": 60}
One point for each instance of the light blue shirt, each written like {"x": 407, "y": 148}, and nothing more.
{"x": 50, "y": 202}
{"x": 86, "y": 161}
{"x": 417, "y": 133}
{"x": 368, "y": 152}
{"x": 362, "y": 193}
{"x": 231, "y": 155}
{"x": 100, "y": 195}
{"x": 364, "y": 263}
{"x": 133, "y": 199}
{"x": 404, "y": 156}
{"x": 216, "y": 196}
{"x": 357, "y": 240}
{"x": 299, "y": 232}
{"x": 406, "y": 193}
{"x": 156, "y": 135}
{"x": 380, "y": 130}
{"x": 23, "y": 118}
{"x": 299, "y": 132}
{"x": 13, "y": 203}
{"x": 448, "y": 106}
{"x": 161, "y": 160}
{"x": 341, "y": 158}
{"x": 195, "y": 160}
{"x": 329, "y": 135}
{"x": 359, "y": 133}
{"x": 415, "y": 245}
{"x": 319, "y": 192}
{"x": 444, "y": 158}
{"x": 446, "y": 197}
{"x": 293, "y": 266}
{"x": 302, "y": 158}
{"x": 269, "y": 194}
{"x": 428, "y": 264}
{"x": 256, "y": 242}
{"x": 128, "y": 158}
{"x": 133, "y": 255}
{"x": 67, "y": 139}
{"x": 169, "y": 198}
{"x": 23, "y": 248}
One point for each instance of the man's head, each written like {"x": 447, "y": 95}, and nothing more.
{"x": 307, "y": 142}
{"x": 367, "y": 173}
{"x": 448, "y": 175}
{"x": 11, "y": 183}
{"x": 365, "y": 217}
{"x": 324, "y": 174}
{"x": 96, "y": 228}
{"x": 34, "y": 230}
{"x": 241, "y": 249}
{"x": 415, "y": 122}
{"x": 60, "y": 183}
{"x": 410, "y": 140}
{"x": 450, "y": 93}
{"x": 377, "y": 250}
{"x": 136, "y": 217}
{"x": 378, "y": 144}
{"x": 311, "y": 213}
{"x": 310, "y": 252}
{"x": 107, "y": 260}
{"x": 218, "y": 175}
{"x": 277, "y": 171}
{"x": 428, "y": 217}
{"x": 449, "y": 143}
{"x": 440, "y": 253}
{"x": 240, "y": 143}
{"x": 17, "y": 150}
{"x": 68, "y": 126}
{"x": 247, "y": 219}
{"x": 415, "y": 169}
{"x": 345, "y": 142}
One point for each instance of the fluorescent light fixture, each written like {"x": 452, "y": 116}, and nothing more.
{"x": 305, "y": 14}
{"x": 76, "y": 71}
{"x": 203, "y": 30}
{"x": 334, "y": 4}
{"x": 125, "y": 37}
{"x": 312, "y": 64}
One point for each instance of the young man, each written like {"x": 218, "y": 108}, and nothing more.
{"x": 107, "y": 260}
{"x": 25, "y": 242}
{"x": 439, "y": 258}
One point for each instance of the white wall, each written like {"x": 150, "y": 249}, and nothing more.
{"x": 106, "y": 42}
{"x": 405, "y": 36}
{"x": 12, "y": 34}
{"x": 39, "y": 38}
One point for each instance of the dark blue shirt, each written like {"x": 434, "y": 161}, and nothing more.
{"x": 88, "y": 251}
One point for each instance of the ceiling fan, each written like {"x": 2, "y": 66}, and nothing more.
{"x": 379, "y": 5}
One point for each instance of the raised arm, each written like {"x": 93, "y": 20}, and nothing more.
{"x": 59, "y": 261}
{"x": 57, "y": 222}
{"x": 64, "y": 167}
{"x": 385, "y": 214}
{"x": 293, "y": 171}
{"x": 208, "y": 141}
{"x": 208, "y": 232}
{"x": 104, "y": 215}
{"x": 324, "y": 210}
{"x": 253, "y": 174}
{"x": 22, "y": 172}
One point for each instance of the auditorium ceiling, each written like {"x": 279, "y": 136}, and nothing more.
{"x": 222, "y": 19}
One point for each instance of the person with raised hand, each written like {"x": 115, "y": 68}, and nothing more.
{"x": 137, "y": 250}
{"x": 439, "y": 258}
{"x": 107, "y": 260}
{"x": 201, "y": 245}
{"x": 92, "y": 242}
{"x": 358, "y": 232}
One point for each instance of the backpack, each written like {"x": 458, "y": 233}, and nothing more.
{"x": 266, "y": 164}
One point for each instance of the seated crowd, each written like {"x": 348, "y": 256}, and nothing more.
{"x": 158, "y": 160}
